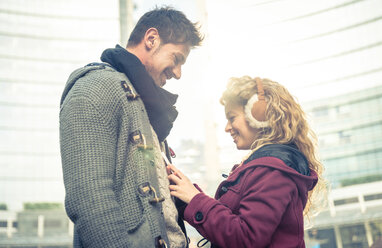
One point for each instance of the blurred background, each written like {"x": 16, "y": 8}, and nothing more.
{"x": 328, "y": 54}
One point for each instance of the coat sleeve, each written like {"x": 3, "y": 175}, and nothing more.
{"x": 265, "y": 196}
{"x": 181, "y": 205}
{"x": 88, "y": 148}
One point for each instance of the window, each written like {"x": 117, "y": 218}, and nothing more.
{"x": 52, "y": 223}
{"x": 320, "y": 112}
{"x": 345, "y": 201}
{"x": 373, "y": 197}
{"x": 325, "y": 238}
{"x": 343, "y": 110}
{"x": 344, "y": 137}
{"x": 353, "y": 236}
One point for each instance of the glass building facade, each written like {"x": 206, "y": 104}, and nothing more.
{"x": 41, "y": 43}
{"x": 353, "y": 218}
{"x": 349, "y": 129}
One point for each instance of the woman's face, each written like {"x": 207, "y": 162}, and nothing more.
{"x": 243, "y": 135}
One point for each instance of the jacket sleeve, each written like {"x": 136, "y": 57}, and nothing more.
{"x": 181, "y": 205}
{"x": 265, "y": 195}
{"x": 88, "y": 148}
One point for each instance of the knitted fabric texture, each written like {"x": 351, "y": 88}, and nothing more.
{"x": 102, "y": 167}
{"x": 174, "y": 232}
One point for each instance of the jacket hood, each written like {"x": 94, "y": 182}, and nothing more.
{"x": 285, "y": 158}
{"x": 289, "y": 154}
{"x": 73, "y": 78}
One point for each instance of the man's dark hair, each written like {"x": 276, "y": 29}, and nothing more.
{"x": 172, "y": 25}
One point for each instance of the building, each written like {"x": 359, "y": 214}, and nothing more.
{"x": 353, "y": 218}
{"x": 41, "y": 43}
{"x": 35, "y": 229}
{"x": 349, "y": 130}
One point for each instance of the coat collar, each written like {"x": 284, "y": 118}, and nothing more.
{"x": 158, "y": 102}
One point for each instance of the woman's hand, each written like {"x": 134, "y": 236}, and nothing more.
{"x": 182, "y": 187}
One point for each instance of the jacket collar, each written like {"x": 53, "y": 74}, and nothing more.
{"x": 286, "y": 158}
{"x": 288, "y": 153}
{"x": 158, "y": 102}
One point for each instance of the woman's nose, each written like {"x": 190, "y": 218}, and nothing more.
{"x": 228, "y": 127}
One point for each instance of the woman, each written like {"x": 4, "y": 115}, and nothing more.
{"x": 264, "y": 199}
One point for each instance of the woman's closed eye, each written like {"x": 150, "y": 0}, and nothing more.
{"x": 231, "y": 118}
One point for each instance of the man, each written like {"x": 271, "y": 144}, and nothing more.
{"x": 114, "y": 120}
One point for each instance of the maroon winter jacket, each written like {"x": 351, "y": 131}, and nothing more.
{"x": 260, "y": 204}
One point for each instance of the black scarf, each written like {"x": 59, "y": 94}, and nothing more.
{"x": 159, "y": 103}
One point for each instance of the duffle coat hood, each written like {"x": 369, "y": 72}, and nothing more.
{"x": 260, "y": 204}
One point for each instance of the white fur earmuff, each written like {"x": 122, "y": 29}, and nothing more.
{"x": 248, "y": 114}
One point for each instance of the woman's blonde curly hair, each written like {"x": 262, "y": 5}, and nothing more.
{"x": 287, "y": 123}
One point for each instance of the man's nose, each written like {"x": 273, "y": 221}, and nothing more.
{"x": 177, "y": 71}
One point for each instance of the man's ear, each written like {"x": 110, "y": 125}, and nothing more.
{"x": 151, "y": 38}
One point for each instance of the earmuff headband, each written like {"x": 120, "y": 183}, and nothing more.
{"x": 256, "y": 107}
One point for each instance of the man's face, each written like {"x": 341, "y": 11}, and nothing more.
{"x": 165, "y": 62}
